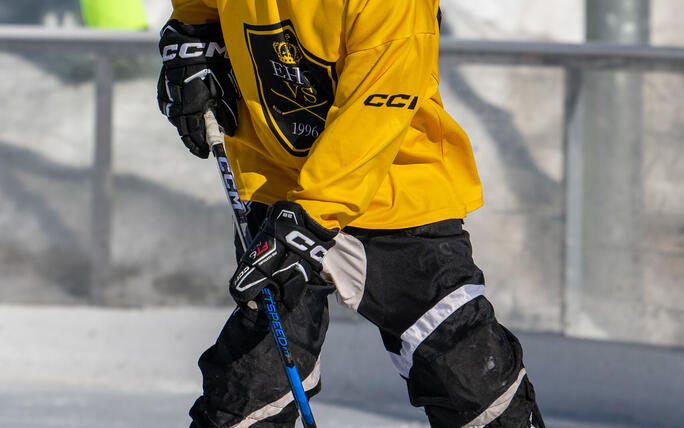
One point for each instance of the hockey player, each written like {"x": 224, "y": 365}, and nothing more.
{"x": 358, "y": 181}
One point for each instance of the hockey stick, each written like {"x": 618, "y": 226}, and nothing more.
{"x": 215, "y": 139}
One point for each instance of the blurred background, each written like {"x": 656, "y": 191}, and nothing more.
{"x": 116, "y": 244}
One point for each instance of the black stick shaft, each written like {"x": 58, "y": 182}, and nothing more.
{"x": 215, "y": 139}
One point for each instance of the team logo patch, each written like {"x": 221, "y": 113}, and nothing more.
{"x": 296, "y": 88}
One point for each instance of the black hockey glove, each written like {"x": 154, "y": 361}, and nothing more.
{"x": 285, "y": 256}
{"x": 196, "y": 74}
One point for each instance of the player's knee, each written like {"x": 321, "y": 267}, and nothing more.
{"x": 469, "y": 362}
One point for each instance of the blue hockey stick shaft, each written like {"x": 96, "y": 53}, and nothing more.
{"x": 215, "y": 139}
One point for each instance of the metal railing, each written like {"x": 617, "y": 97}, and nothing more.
{"x": 574, "y": 59}
{"x": 105, "y": 45}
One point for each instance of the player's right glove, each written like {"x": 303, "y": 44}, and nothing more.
{"x": 196, "y": 74}
{"x": 286, "y": 255}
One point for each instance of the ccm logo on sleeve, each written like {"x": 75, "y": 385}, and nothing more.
{"x": 396, "y": 101}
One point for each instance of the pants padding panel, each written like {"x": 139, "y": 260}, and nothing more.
{"x": 464, "y": 366}
{"x": 410, "y": 270}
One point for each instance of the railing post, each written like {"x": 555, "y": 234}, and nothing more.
{"x": 574, "y": 196}
{"x": 102, "y": 190}
{"x": 613, "y": 179}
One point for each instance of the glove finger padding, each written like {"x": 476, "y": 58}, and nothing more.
{"x": 188, "y": 116}
{"x": 196, "y": 74}
{"x": 269, "y": 263}
{"x": 285, "y": 255}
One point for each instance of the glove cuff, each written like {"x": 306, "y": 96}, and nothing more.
{"x": 280, "y": 209}
{"x": 181, "y": 45}
{"x": 211, "y": 30}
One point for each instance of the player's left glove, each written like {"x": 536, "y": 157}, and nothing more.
{"x": 196, "y": 75}
{"x": 285, "y": 255}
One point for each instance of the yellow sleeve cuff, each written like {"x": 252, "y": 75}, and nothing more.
{"x": 316, "y": 210}
{"x": 194, "y": 12}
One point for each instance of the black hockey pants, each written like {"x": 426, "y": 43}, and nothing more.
{"x": 425, "y": 294}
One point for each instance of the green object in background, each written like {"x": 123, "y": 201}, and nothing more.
{"x": 119, "y": 14}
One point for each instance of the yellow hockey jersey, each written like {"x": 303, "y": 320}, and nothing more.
{"x": 341, "y": 110}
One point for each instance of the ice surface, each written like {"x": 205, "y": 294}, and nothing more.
{"x": 85, "y": 367}
{"x": 50, "y": 409}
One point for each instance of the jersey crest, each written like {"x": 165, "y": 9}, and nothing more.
{"x": 296, "y": 88}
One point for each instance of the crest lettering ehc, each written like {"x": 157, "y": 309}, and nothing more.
{"x": 296, "y": 88}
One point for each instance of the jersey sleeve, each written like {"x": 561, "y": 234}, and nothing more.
{"x": 383, "y": 83}
{"x": 195, "y": 11}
